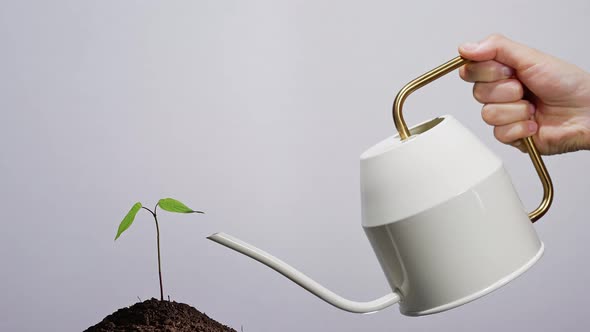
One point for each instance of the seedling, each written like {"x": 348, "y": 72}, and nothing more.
{"x": 167, "y": 204}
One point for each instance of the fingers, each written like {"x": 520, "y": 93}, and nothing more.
{"x": 513, "y": 132}
{"x": 504, "y": 91}
{"x": 486, "y": 71}
{"x": 495, "y": 63}
{"x": 503, "y": 50}
{"x": 504, "y": 114}
{"x": 512, "y": 121}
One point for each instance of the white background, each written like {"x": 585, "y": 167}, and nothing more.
{"x": 256, "y": 112}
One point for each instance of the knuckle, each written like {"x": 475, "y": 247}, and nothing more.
{"x": 495, "y": 37}
{"x": 463, "y": 72}
{"x": 489, "y": 114}
{"x": 478, "y": 94}
{"x": 517, "y": 88}
{"x": 525, "y": 111}
{"x": 501, "y": 135}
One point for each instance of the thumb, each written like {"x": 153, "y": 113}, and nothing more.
{"x": 503, "y": 50}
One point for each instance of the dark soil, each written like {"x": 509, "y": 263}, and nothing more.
{"x": 154, "y": 315}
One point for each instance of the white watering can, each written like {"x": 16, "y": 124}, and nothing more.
{"x": 440, "y": 212}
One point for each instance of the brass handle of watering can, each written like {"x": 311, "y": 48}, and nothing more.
{"x": 442, "y": 70}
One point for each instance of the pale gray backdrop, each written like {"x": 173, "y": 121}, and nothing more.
{"x": 256, "y": 112}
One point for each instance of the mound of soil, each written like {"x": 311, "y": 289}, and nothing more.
{"x": 154, "y": 315}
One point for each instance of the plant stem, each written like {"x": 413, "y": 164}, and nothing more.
{"x": 159, "y": 260}
{"x": 158, "y": 242}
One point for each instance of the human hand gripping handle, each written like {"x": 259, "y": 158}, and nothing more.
{"x": 528, "y": 93}
{"x": 529, "y": 145}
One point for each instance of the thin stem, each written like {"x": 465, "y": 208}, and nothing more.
{"x": 158, "y": 242}
{"x": 152, "y": 212}
{"x": 159, "y": 259}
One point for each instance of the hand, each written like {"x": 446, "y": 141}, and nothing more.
{"x": 529, "y": 93}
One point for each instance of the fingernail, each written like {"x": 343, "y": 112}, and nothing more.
{"x": 517, "y": 143}
{"x": 532, "y": 109}
{"x": 532, "y": 127}
{"x": 469, "y": 46}
{"x": 507, "y": 71}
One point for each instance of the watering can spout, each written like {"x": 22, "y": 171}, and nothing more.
{"x": 303, "y": 280}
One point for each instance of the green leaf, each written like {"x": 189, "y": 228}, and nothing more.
{"x": 128, "y": 220}
{"x": 172, "y": 205}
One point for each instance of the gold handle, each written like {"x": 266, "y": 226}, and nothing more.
{"x": 442, "y": 70}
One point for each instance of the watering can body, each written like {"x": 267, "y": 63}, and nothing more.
{"x": 443, "y": 217}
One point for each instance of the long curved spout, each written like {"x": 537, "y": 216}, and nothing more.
{"x": 303, "y": 280}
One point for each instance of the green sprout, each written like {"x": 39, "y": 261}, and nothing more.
{"x": 167, "y": 204}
